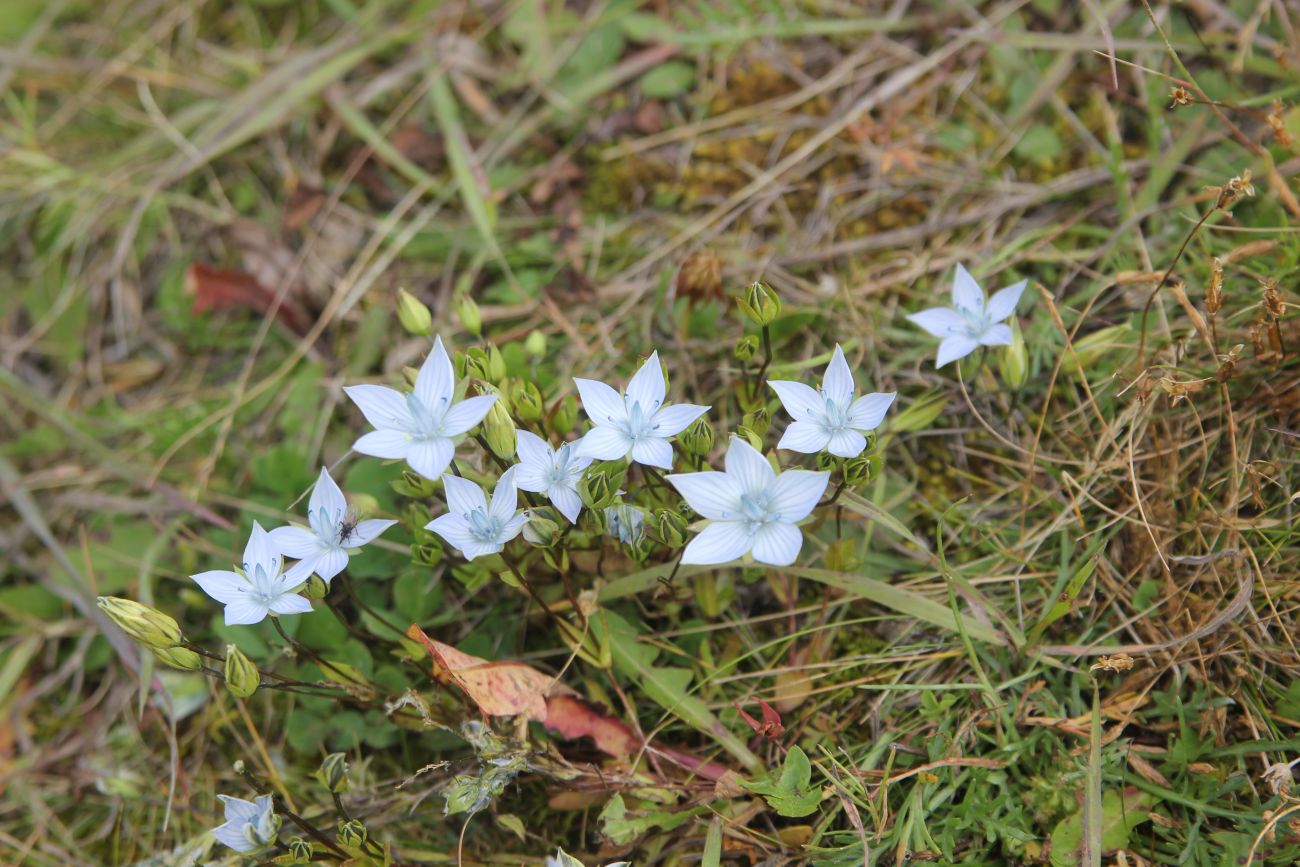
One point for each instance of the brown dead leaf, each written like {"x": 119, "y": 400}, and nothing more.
{"x": 573, "y": 718}
{"x": 224, "y": 289}
{"x": 497, "y": 688}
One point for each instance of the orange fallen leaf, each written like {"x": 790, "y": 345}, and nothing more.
{"x": 497, "y": 688}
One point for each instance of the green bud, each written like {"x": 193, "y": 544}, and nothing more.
{"x": 1014, "y": 359}
{"x": 333, "y": 772}
{"x": 468, "y": 314}
{"x": 543, "y": 527}
{"x": 149, "y": 626}
{"x": 698, "y": 438}
{"x": 499, "y": 431}
{"x": 670, "y": 528}
{"x": 426, "y": 555}
{"x": 477, "y": 363}
{"x": 565, "y": 417}
{"x": 862, "y": 469}
{"x": 496, "y": 365}
{"x": 179, "y": 657}
{"x": 750, "y": 437}
{"x": 364, "y": 504}
{"x": 352, "y": 834}
{"x": 535, "y": 343}
{"x": 412, "y": 484}
{"x": 242, "y": 677}
{"x": 315, "y": 587}
{"x": 758, "y": 421}
{"x": 414, "y": 314}
{"x": 602, "y": 484}
{"x": 527, "y": 400}
{"x": 746, "y": 347}
{"x": 300, "y": 852}
{"x": 760, "y": 304}
{"x": 827, "y": 462}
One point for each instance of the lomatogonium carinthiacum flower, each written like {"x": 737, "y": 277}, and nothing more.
{"x": 249, "y": 825}
{"x": 553, "y": 472}
{"x": 831, "y": 417}
{"x": 970, "y": 322}
{"x": 751, "y": 509}
{"x": 418, "y": 426}
{"x": 262, "y": 589}
{"x": 475, "y": 525}
{"x": 636, "y": 423}
{"x": 323, "y": 548}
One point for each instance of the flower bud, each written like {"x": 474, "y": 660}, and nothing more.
{"x": 625, "y": 523}
{"x": 566, "y": 415}
{"x": 526, "y": 400}
{"x": 242, "y": 677}
{"x": 477, "y": 364}
{"x": 752, "y": 438}
{"x": 1014, "y": 359}
{"x": 414, "y": 314}
{"x": 364, "y": 504}
{"x": 352, "y": 834}
{"x": 468, "y": 314}
{"x": 760, "y": 304}
{"x": 412, "y": 484}
{"x": 535, "y": 343}
{"x": 147, "y": 625}
{"x": 179, "y": 657}
{"x": 499, "y": 431}
{"x": 698, "y": 438}
{"x": 300, "y": 852}
{"x": 333, "y": 772}
{"x": 746, "y": 347}
{"x": 315, "y": 587}
{"x": 670, "y": 528}
{"x": 541, "y": 530}
{"x": 496, "y": 368}
{"x": 602, "y": 484}
{"x": 827, "y": 462}
{"x": 862, "y": 469}
{"x": 758, "y": 421}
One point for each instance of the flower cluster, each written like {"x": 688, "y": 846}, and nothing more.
{"x": 752, "y": 509}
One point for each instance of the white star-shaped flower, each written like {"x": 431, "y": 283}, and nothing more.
{"x": 830, "y": 418}
{"x": 418, "y": 426}
{"x": 970, "y": 323}
{"x": 553, "y": 472}
{"x": 474, "y": 525}
{"x": 261, "y": 590}
{"x": 249, "y": 825}
{"x": 637, "y": 422}
{"x": 323, "y": 549}
{"x": 751, "y": 509}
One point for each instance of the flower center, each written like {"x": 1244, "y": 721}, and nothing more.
{"x": 639, "y": 423}
{"x": 483, "y": 526}
{"x": 427, "y": 420}
{"x": 835, "y": 417}
{"x": 755, "y": 511}
{"x": 263, "y": 589}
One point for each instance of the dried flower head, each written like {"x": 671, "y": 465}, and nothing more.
{"x": 1277, "y": 123}
{"x": 1118, "y": 662}
{"x": 1214, "y": 294}
{"x": 1234, "y": 191}
{"x": 1179, "y": 95}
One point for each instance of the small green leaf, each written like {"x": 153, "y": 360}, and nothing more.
{"x": 668, "y": 80}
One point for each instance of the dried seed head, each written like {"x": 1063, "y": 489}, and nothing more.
{"x": 1234, "y": 191}
{"x": 1278, "y": 125}
{"x": 1179, "y": 95}
{"x": 1228, "y": 363}
{"x": 1214, "y": 294}
{"x": 1118, "y": 662}
{"x": 1273, "y": 304}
